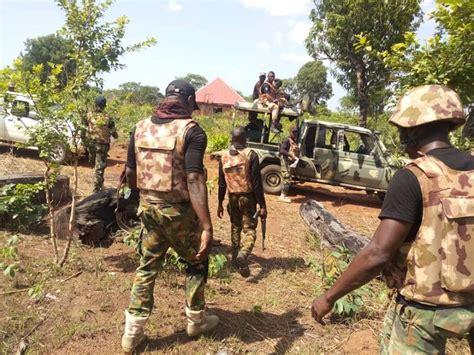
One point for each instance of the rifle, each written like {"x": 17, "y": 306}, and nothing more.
{"x": 264, "y": 227}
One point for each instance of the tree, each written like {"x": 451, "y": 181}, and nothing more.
{"x": 51, "y": 48}
{"x": 96, "y": 46}
{"x": 135, "y": 93}
{"x": 196, "y": 80}
{"x": 333, "y": 36}
{"x": 311, "y": 82}
{"x": 447, "y": 57}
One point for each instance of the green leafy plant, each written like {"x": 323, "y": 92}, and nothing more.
{"x": 218, "y": 141}
{"x": 19, "y": 206}
{"x": 217, "y": 265}
{"x": 9, "y": 257}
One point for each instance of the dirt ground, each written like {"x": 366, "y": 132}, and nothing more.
{"x": 84, "y": 314}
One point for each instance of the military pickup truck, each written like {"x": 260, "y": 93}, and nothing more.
{"x": 330, "y": 153}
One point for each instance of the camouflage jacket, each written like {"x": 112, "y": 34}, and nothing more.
{"x": 437, "y": 268}
{"x": 159, "y": 150}
{"x": 99, "y": 127}
{"x": 294, "y": 150}
{"x": 236, "y": 170}
{"x": 270, "y": 95}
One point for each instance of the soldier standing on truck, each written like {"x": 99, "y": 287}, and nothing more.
{"x": 165, "y": 163}
{"x": 101, "y": 127}
{"x": 424, "y": 245}
{"x": 289, "y": 158}
{"x": 239, "y": 174}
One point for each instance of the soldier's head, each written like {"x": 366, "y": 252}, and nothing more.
{"x": 271, "y": 76}
{"x": 262, "y": 77}
{"x": 426, "y": 114}
{"x": 182, "y": 92}
{"x": 239, "y": 136}
{"x": 100, "y": 103}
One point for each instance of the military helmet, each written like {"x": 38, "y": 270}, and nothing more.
{"x": 428, "y": 103}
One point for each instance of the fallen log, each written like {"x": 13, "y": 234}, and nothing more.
{"x": 95, "y": 218}
{"x": 330, "y": 231}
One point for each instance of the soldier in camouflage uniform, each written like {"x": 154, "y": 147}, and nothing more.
{"x": 101, "y": 127}
{"x": 289, "y": 157}
{"x": 239, "y": 174}
{"x": 424, "y": 245}
{"x": 165, "y": 162}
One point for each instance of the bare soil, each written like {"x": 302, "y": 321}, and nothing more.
{"x": 84, "y": 314}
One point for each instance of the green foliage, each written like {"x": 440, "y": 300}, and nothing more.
{"x": 333, "y": 36}
{"x": 446, "y": 58}
{"x": 126, "y": 115}
{"x": 311, "y": 81}
{"x": 19, "y": 209}
{"x": 217, "y": 265}
{"x": 9, "y": 257}
{"x": 334, "y": 263}
{"x": 218, "y": 141}
{"x": 196, "y": 80}
{"x": 136, "y": 94}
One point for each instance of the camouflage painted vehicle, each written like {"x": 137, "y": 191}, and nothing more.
{"x": 330, "y": 153}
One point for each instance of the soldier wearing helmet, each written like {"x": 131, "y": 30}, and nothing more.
{"x": 424, "y": 245}
{"x": 165, "y": 163}
{"x": 101, "y": 128}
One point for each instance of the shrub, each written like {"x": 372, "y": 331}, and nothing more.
{"x": 19, "y": 209}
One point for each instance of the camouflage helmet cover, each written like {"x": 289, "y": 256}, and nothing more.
{"x": 428, "y": 103}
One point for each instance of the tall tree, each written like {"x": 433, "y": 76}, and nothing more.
{"x": 333, "y": 36}
{"x": 136, "y": 93}
{"x": 51, "y": 48}
{"x": 196, "y": 80}
{"x": 311, "y": 82}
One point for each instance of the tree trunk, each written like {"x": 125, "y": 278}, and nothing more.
{"x": 329, "y": 229}
{"x": 362, "y": 96}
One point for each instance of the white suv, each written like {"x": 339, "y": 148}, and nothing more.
{"x": 17, "y": 117}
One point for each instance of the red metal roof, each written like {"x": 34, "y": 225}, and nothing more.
{"x": 217, "y": 92}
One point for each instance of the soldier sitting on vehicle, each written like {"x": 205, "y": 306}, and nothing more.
{"x": 239, "y": 174}
{"x": 268, "y": 99}
{"x": 289, "y": 158}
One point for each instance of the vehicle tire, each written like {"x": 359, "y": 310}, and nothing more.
{"x": 272, "y": 179}
{"x": 381, "y": 195}
{"x": 59, "y": 154}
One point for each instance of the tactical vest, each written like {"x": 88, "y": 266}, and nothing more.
{"x": 99, "y": 129}
{"x": 159, "y": 150}
{"x": 237, "y": 171}
{"x": 270, "y": 96}
{"x": 437, "y": 268}
{"x": 294, "y": 148}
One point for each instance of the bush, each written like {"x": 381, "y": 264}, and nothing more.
{"x": 19, "y": 209}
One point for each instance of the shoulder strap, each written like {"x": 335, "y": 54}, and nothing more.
{"x": 431, "y": 166}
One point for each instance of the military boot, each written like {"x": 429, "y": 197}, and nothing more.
{"x": 199, "y": 322}
{"x": 133, "y": 334}
{"x": 242, "y": 264}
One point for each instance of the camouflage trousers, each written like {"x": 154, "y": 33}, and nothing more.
{"x": 242, "y": 208}
{"x": 176, "y": 226}
{"x": 410, "y": 328}
{"x": 101, "y": 152}
{"x": 286, "y": 174}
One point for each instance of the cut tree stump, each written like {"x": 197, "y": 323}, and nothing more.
{"x": 329, "y": 229}
{"x": 95, "y": 218}
{"x": 60, "y": 193}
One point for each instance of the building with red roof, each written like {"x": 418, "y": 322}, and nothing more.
{"x": 216, "y": 97}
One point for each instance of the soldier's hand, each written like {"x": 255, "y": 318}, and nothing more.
{"x": 206, "y": 244}
{"x": 220, "y": 211}
{"x": 320, "y": 308}
{"x": 263, "y": 213}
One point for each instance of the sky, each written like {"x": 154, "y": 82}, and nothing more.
{"x": 231, "y": 39}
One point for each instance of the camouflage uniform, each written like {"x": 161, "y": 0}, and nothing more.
{"x": 285, "y": 162}
{"x": 99, "y": 134}
{"x": 434, "y": 273}
{"x": 168, "y": 219}
{"x": 242, "y": 204}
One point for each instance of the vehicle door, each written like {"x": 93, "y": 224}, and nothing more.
{"x": 306, "y": 167}
{"x": 360, "y": 161}
{"x": 18, "y": 120}
{"x": 325, "y": 153}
